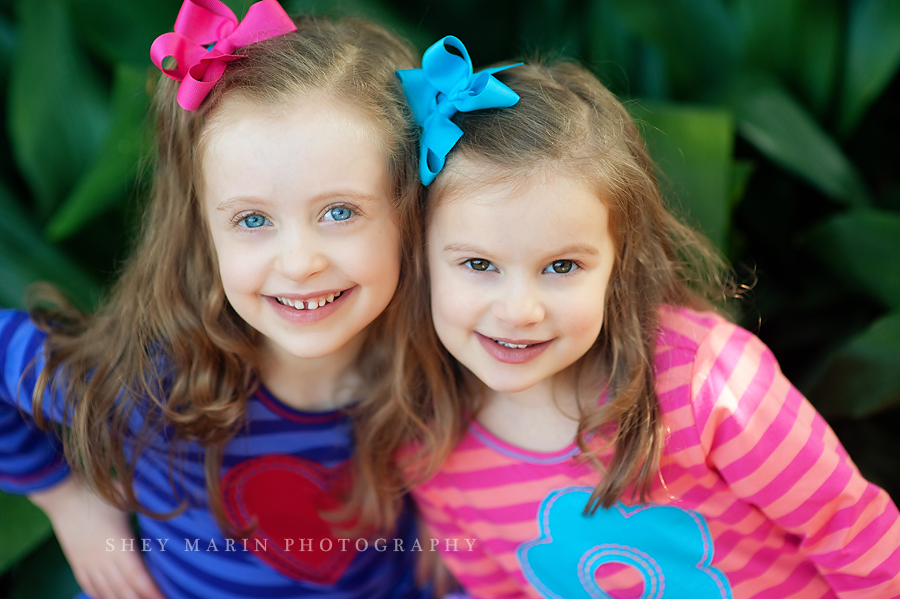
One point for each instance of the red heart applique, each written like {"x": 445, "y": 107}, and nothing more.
{"x": 285, "y": 496}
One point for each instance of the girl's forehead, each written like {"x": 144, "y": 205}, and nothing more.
{"x": 239, "y": 107}
{"x": 305, "y": 149}
{"x": 238, "y": 116}
{"x": 550, "y": 217}
{"x": 464, "y": 178}
{"x": 468, "y": 179}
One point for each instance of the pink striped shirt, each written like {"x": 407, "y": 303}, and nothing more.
{"x": 756, "y": 498}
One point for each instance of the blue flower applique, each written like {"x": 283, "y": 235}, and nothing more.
{"x": 669, "y": 547}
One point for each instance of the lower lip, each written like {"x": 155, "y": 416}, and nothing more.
{"x": 295, "y": 316}
{"x": 509, "y": 355}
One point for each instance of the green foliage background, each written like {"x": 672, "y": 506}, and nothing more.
{"x": 773, "y": 122}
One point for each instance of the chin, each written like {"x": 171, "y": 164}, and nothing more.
{"x": 307, "y": 351}
{"x": 507, "y": 385}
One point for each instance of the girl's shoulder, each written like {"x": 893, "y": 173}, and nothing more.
{"x": 21, "y": 358}
{"x": 707, "y": 334}
{"x": 20, "y": 340}
{"x": 686, "y": 328}
{"x": 710, "y": 373}
{"x": 699, "y": 352}
{"x": 13, "y": 322}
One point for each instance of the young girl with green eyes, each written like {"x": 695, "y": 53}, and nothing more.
{"x": 207, "y": 393}
{"x": 569, "y": 402}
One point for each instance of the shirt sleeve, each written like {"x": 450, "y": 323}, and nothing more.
{"x": 777, "y": 453}
{"x": 30, "y": 459}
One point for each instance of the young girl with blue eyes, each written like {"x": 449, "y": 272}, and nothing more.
{"x": 570, "y": 404}
{"x": 207, "y": 393}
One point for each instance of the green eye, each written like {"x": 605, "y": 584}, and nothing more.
{"x": 561, "y": 267}
{"x": 479, "y": 264}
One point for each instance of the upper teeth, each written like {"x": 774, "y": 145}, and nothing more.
{"x": 511, "y": 345}
{"x": 310, "y": 304}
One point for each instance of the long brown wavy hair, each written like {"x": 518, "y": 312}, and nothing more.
{"x": 166, "y": 346}
{"x": 566, "y": 120}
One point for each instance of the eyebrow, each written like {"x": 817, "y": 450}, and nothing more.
{"x": 227, "y": 205}
{"x": 582, "y": 249}
{"x": 465, "y": 249}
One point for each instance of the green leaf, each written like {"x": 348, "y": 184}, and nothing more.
{"x": 873, "y": 55}
{"x": 7, "y": 47}
{"x": 550, "y": 26}
{"x": 767, "y": 28}
{"x": 818, "y": 53}
{"x": 698, "y": 38}
{"x": 773, "y": 121}
{"x": 123, "y": 31}
{"x": 652, "y": 81}
{"x": 864, "y": 376}
{"x": 238, "y": 7}
{"x": 799, "y": 40}
{"x": 541, "y": 21}
{"x": 114, "y": 174}
{"x": 22, "y": 528}
{"x": 740, "y": 178}
{"x": 693, "y": 146}
{"x": 25, "y": 257}
{"x": 379, "y": 12}
{"x": 617, "y": 55}
{"x": 8, "y": 35}
{"x": 610, "y": 41}
{"x": 57, "y": 111}
{"x": 863, "y": 248}
{"x": 45, "y": 575}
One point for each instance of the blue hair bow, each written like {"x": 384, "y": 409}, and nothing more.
{"x": 444, "y": 86}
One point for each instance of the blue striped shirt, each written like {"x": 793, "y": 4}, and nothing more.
{"x": 282, "y": 469}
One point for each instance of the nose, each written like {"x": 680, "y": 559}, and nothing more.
{"x": 300, "y": 256}
{"x": 519, "y": 305}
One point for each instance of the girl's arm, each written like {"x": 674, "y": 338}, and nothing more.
{"x": 776, "y": 452}
{"x": 32, "y": 463}
{"x": 94, "y": 537}
{"x": 30, "y": 459}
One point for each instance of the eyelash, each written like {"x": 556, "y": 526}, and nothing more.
{"x": 469, "y": 262}
{"x": 576, "y": 266}
{"x": 241, "y": 217}
{"x": 354, "y": 212}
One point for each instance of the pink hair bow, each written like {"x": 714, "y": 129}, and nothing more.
{"x": 204, "y": 22}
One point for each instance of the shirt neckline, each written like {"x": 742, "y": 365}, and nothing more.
{"x": 287, "y": 412}
{"x": 487, "y": 438}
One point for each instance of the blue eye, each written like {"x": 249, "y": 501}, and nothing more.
{"x": 254, "y": 221}
{"x": 560, "y": 267}
{"x": 479, "y": 265}
{"x": 338, "y": 213}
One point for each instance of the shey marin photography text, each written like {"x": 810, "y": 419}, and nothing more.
{"x": 290, "y": 545}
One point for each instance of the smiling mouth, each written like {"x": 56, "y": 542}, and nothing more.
{"x": 309, "y": 304}
{"x": 514, "y": 345}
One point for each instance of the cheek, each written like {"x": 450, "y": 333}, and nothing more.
{"x": 236, "y": 266}
{"x": 224, "y": 258}
{"x": 441, "y": 311}
{"x": 588, "y": 318}
{"x": 585, "y": 314}
{"x": 451, "y": 329}
{"x": 376, "y": 256}
{"x": 453, "y": 304}
{"x": 236, "y": 273}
